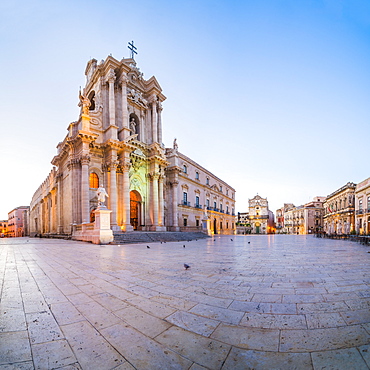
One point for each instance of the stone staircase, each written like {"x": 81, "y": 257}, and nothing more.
{"x": 154, "y": 236}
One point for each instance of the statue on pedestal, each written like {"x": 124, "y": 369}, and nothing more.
{"x": 101, "y": 194}
{"x": 84, "y": 103}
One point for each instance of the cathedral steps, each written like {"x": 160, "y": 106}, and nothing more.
{"x": 154, "y": 236}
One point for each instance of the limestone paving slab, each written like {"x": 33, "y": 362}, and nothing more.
{"x": 142, "y": 321}
{"x": 241, "y": 359}
{"x": 143, "y": 352}
{"x": 194, "y": 323}
{"x": 307, "y": 301}
{"x": 348, "y": 358}
{"x": 51, "y": 355}
{"x": 14, "y": 347}
{"x": 204, "y": 351}
{"x": 90, "y": 347}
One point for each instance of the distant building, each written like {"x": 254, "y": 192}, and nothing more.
{"x": 243, "y": 225}
{"x": 362, "y": 206}
{"x": 339, "y": 217}
{"x": 18, "y": 224}
{"x": 258, "y": 220}
{"x": 3, "y": 228}
{"x": 305, "y": 219}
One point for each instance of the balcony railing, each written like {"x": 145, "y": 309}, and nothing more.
{"x": 184, "y": 203}
{"x": 197, "y": 206}
{"x": 359, "y": 212}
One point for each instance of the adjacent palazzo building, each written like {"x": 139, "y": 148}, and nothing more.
{"x": 117, "y": 144}
{"x": 362, "y": 205}
{"x": 339, "y": 217}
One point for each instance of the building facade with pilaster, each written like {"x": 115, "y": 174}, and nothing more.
{"x": 362, "y": 205}
{"x": 117, "y": 144}
{"x": 339, "y": 217}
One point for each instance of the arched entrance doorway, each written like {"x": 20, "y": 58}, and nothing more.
{"x": 214, "y": 226}
{"x": 258, "y": 227}
{"x": 135, "y": 203}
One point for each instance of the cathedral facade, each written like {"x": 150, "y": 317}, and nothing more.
{"x": 117, "y": 144}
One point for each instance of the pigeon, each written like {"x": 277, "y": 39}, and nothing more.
{"x": 148, "y": 246}
{"x": 231, "y": 239}
{"x": 184, "y": 245}
{"x": 249, "y": 242}
{"x": 186, "y": 266}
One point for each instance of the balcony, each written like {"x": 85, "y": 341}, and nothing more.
{"x": 184, "y": 203}
{"x": 359, "y": 212}
{"x": 198, "y": 206}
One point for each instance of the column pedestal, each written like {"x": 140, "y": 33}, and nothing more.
{"x": 102, "y": 232}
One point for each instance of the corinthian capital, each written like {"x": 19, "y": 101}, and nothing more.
{"x": 111, "y": 76}
{"x": 123, "y": 79}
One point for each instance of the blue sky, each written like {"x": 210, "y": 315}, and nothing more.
{"x": 271, "y": 96}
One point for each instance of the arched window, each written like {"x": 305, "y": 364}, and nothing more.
{"x": 185, "y": 169}
{"x": 91, "y": 97}
{"x": 94, "y": 180}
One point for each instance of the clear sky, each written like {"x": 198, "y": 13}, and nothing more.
{"x": 272, "y": 96}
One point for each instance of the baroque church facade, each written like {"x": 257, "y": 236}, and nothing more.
{"x": 117, "y": 144}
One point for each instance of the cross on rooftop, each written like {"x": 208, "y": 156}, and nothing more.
{"x": 133, "y": 49}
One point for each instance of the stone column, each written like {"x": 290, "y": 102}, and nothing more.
{"x": 160, "y": 200}
{"x": 85, "y": 189}
{"x": 113, "y": 194}
{"x": 59, "y": 204}
{"x": 154, "y": 119}
{"x": 154, "y": 179}
{"x": 160, "y": 123}
{"x": 112, "y": 107}
{"x": 125, "y": 123}
{"x": 126, "y": 197}
{"x": 175, "y": 202}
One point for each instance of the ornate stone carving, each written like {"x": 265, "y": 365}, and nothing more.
{"x": 84, "y": 103}
{"x": 137, "y": 97}
{"x": 111, "y": 76}
{"x": 85, "y": 159}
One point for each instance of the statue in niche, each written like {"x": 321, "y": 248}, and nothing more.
{"x": 133, "y": 126}
{"x": 84, "y": 103}
{"x": 101, "y": 194}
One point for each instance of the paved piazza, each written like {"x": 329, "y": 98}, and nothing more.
{"x": 254, "y": 302}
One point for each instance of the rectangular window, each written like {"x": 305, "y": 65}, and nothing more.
{"x": 214, "y": 205}
{"x": 360, "y": 203}
{"x": 197, "y": 201}
{"x": 197, "y": 175}
{"x": 197, "y": 222}
{"x": 185, "y": 198}
{"x": 207, "y": 202}
{"x": 207, "y": 181}
{"x": 185, "y": 222}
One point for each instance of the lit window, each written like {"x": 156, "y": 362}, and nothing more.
{"x": 94, "y": 180}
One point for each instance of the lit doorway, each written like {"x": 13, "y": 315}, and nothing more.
{"x": 135, "y": 208}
